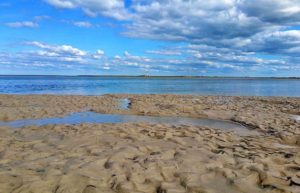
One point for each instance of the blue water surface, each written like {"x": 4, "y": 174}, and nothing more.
{"x": 92, "y": 117}
{"x": 78, "y": 85}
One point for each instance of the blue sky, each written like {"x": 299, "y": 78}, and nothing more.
{"x": 165, "y": 37}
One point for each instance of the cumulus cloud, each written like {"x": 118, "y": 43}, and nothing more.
{"x": 99, "y": 54}
{"x": 193, "y": 21}
{"x": 229, "y": 27}
{"x": 198, "y": 20}
{"x": 279, "y": 12}
{"x": 278, "y": 42}
{"x": 62, "y": 3}
{"x": 235, "y": 24}
{"x": 59, "y": 49}
{"x": 62, "y": 53}
{"x": 226, "y": 58}
{"x": 57, "y": 54}
{"x": 110, "y": 8}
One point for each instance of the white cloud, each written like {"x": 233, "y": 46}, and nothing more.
{"x": 117, "y": 57}
{"x": 57, "y": 54}
{"x": 195, "y": 21}
{"x": 235, "y": 24}
{"x": 164, "y": 52}
{"x": 273, "y": 11}
{"x": 185, "y": 59}
{"x": 47, "y": 53}
{"x": 278, "y": 42}
{"x": 62, "y": 3}
{"x": 99, "y": 54}
{"x": 29, "y": 24}
{"x": 136, "y": 58}
{"x": 193, "y": 58}
{"x": 84, "y": 24}
{"x": 71, "y": 59}
{"x": 59, "y": 49}
{"x": 106, "y": 66}
{"x": 110, "y": 8}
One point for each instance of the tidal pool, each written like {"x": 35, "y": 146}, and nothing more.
{"x": 92, "y": 117}
{"x": 124, "y": 104}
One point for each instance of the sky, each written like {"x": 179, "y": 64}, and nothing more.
{"x": 150, "y": 37}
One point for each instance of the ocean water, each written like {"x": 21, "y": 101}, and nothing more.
{"x": 78, "y": 85}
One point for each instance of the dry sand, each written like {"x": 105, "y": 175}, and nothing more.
{"x": 136, "y": 157}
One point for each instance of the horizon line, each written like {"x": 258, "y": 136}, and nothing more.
{"x": 154, "y": 76}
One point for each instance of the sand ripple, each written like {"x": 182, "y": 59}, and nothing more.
{"x": 145, "y": 158}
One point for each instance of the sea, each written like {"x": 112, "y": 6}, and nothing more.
{"x": 99, "y": 85}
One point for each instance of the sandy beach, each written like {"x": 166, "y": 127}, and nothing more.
{"x": 151, "y": 158}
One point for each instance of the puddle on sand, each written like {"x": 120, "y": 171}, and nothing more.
{"x": 92, "y": 117}
{"x": 124, "y": 104}
{"x": 296, "y": 117}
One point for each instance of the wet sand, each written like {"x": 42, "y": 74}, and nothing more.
{"x": 154, "y": 158}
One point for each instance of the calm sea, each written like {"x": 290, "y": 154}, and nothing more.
{"x": 142, "y": 85}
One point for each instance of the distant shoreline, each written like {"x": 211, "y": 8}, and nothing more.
{"x": 145, "y": 76}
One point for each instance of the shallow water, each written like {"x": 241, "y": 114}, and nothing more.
{"x": 124, "y": 104}
{"x": 296, "y": 117}
{"x": 78, "y": 85}
{"x": 92, "y": 117}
